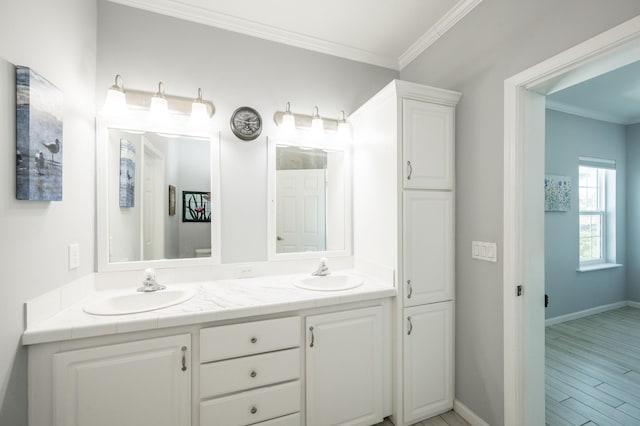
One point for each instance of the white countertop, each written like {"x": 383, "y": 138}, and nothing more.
{"x": 214, "y": 301}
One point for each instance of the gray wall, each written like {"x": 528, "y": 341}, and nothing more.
{"x": 233, "y": 70}
{"x": 58, "y": 40}
{"x": 566, "y": 138}
{"x": 633, "y": 213}
{"x": 496, "y": 40}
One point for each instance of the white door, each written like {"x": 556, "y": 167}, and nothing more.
{"x": 428, "y": 247}
{"x": 153, "y": 209}
{"x": 300, "y": 210}
{"x": 146, "y": 382}
{"x": 427, "y": 143}
{"x": 428, "y": 360}
{"x": 344, "y": 368}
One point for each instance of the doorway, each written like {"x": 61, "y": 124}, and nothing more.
{"x": 523, "y": 245}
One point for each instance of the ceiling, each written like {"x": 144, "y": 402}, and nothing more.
{"x": 379, "y": 32}
{"x": 613, "y": 96}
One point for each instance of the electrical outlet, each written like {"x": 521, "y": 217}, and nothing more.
{"x": 245, "y": 272}
{"x": 74, "y": 256}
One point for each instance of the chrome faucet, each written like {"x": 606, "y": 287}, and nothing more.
{"x": 323, "y": 269}
{"x": 150, "y": 283}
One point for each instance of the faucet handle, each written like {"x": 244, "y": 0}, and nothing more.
{"x": 323, "y": 261}
{"x": 150, "y": 274}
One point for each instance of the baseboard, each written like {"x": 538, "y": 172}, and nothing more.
{"x": 467, "y": 414}
{"x": 590, "y": 311}
{"x": 633, "y": 304}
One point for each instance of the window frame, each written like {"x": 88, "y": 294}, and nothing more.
{"x": 604, "y": 210}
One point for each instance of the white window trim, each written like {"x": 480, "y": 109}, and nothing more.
{"x": 607, "y": 216}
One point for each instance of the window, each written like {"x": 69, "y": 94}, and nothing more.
{"x": 596, "y": 194}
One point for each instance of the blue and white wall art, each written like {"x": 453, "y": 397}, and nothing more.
{"x": 557, "y": 193}
{"x": 39, "y": 107}
{"x": 127, "y": 173}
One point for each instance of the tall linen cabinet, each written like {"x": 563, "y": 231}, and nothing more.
{"x": 403, "y": 200}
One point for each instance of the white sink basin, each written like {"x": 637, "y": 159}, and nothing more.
{"x": 135, "y": 302}
{"x": 329, "y": 282}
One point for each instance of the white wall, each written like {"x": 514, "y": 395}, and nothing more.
{"x": 233, "y": 70}
{"x": 58, "y": 40}
{"x": 498, "y": 39}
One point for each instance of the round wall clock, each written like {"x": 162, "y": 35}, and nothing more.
{"x": 246, "y": 123}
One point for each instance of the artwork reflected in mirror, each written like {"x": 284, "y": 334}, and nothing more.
{"x": 143, "y": 225}
{"x": 309, "y": 200}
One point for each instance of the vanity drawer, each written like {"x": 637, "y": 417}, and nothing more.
{"x": 230, "y": 341}
{"x": 252, "y": 406}
{"x": 218, "y": 378}
{"x": 290, "y": 420}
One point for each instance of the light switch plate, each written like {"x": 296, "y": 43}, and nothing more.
{"x": 482, "y": 250}
{"x": 74, "y": 256}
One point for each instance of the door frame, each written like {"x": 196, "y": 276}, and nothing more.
{"x": 523, "y": 206}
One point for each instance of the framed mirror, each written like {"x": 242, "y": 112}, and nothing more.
{"x": 309, "y": 201}
{"x": 158, "y": 198}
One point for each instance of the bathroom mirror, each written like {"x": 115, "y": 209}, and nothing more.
{"x": 310, "y": 205}
{"x": 158, "y": 198}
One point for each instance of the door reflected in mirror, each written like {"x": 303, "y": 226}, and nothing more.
{"x": 309, "y": 200}
{"x": 149, "y": 177}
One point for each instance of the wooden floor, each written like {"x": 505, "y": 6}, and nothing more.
{"x": 593, "y": 370}
{"x": 450, "y": 418}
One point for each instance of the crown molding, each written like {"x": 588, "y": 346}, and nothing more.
{"x": 182, "y": 10}
{"x": 459, "y": 11}
{"x": 589, "y": 113}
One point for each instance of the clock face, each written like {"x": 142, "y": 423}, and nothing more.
{"x": 246, "y": 123}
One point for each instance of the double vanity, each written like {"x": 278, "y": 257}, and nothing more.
{"x": 262, "y": 343}
{"x": 238, "y": 352}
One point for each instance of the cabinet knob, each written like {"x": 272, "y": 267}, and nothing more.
{"x": 313, "y": 337}
{"x": 254, "y": 410}
{"x": 409, "y": 170}
{"x": 184, "y": 358}
{"x": 409, "y": 289}
{"x": 253, "y": 373}
{"x": 410, "y": 326}
{"x": 254, "y": 340}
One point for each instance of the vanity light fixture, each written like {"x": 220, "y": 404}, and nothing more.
{"x": 199, "y": 119}
{"x": 344, "y": 131}
{"x": 317, "y": 124}
{"x": 159, "y": 108}
{"x": 159, "y": 105}
{"x": 288, "y": 121}
{"x": 288, "y": 124}
{"x": 116, "y": 102}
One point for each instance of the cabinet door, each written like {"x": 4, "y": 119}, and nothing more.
{"x": 428, "y": 247}
{"x": 427, "y": 141}
{"x": 146, "y": 382}
{"x": 428, "y": 360}
{"x": 344, "y": 368}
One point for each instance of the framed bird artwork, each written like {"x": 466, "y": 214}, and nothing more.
{"x": 39, "y": 106}
{"x": 127, "y": 173}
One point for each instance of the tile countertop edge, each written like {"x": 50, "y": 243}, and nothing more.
{"x": 113, "y": 325}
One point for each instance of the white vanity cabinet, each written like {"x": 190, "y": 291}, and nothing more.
{"x": 428, "y": 360}
{"x": 250, "y": 373}
{"x": 344, "y": 368}
{"x": 146, "y": 382}
{"x": 427, "y": 144}
{"x": 404, "y": 149}
{"x": 428, "y": 247}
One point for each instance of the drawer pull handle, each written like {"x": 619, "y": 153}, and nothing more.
{"x": 254, "y": 340}
{"x": 410, "y": 326}
{"x": 410, "y": 289}
{"x": 410, "y": 170}
{"x": 184, "y": 358}
{"x": 254, "y": 410}
{"x": 253, "y": 373}
{"x": 313, "y": 338}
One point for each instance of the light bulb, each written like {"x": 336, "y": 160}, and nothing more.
{"x": 344, "y": 130}
{"x": 116, "y": 102}
{"x": 317, "y": 125}
{"x": 288, "y": 124}
{"x": 199, "y": 120}
{"x": 159, "y": 109}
